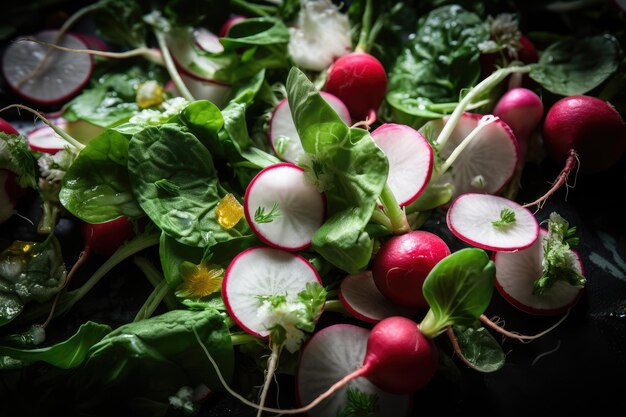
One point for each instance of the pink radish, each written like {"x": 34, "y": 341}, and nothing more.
{"x": 492, "y": 222}
{"x": 228, "y": 24}
{"x": 105, "y": 238}
{"x": 517, "y": 271}
{"x": 282, "y": 209}
{"x": 6, "y": 127}
{"x": 282, "y": 131}
{"x": 330, "y": 355}
{"x": 181, "y": 44}
{"x": 410, "y": 160}
{"x": 361, "y": 298}
{"x": 488, "y": 161}
{"x": 402, "y": 264}
{"x": 207, "y": 40}
{"x": 202, "y": 89}
{"x": 45, "y": 139}
{"x": 360, "y": 81}
{"x": 62, "y": 77}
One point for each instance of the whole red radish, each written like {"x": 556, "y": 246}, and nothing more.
{"x": 105, "y": 238}
{"x": 402, "y": 264}
{"x": 360, "y": 81}
{"x": 588, "y": 125}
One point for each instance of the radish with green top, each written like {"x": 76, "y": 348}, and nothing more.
{"x": 283, "y": 135}
{"x": 547, "y": 277}
{"x": 491, "y": 222}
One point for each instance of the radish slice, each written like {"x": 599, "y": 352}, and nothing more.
{"x": 517, "y": 271}
{"x": 45, "y": 139}
{"x": 410, "y": 160}
{"x": 361, "y": 298}
{"x": 64, "y": 74}
{"x": 202, "y": 89}
{"x": 260, "y": 272}
{"x": 182, "y": 45}
{"x": 488, "y": 162}
{"x": 331, "y": 354}
{"x": 471, "y": 218}
{"x": 282, "y": 209}
{"x": 207, "y": 40}
{"x": 283, "y": 134}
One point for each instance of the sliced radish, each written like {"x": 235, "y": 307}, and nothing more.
{"x": 361, "y": 298}
{"x": 516, "y": 272}
{"x": 282, "y": 209}
{"x": 263, "y": 272}
{"x": 63, "y": 75}
{"x": 488, "y": 162}
{"x": 283, "y": 134}
{"x": 207, "y": 40}
{"x": 410, "y": 160}
{"x": 232, "y": 21}
{"x": 7, "y": 127}
{"x": 331, "y": 354}
{"x": 202, "y": 89}
{"x": 471, "y": 218}
{"x": 45, "y": 139}
{"x": 182, "y": 44}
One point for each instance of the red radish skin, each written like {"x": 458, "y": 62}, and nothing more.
{"x": 228, "y": 24}
{"x": 105, "y": 238}
{"x": 588, "y": 125}
{"x": 7, "y": 127}
{"x": 360, "y": 81}
{"x": 402, "y": 264}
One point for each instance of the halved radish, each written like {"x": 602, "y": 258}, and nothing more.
{"x": 330, "y": 355}
{"x": 410, "y": 160}
{"x": 361, "y": 298}
{"x": 207, "y": 40}
{"x": 45, "y": 139}
{"x": 516, "y": 272}
{"x": 283, "y": 134}
{"x": 487, "y": 163}
{"x": 282, "y": 209}
{"x": 491, "y": 222}
{"x": 63, "y": 75}
{"x": 263, "y": 272}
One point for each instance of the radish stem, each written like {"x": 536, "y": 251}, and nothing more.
{"x": 366, "y": 26}
{"x": 379, "y": 217}
{"x": 272, "y": 363}
{"x": 153, "y": 301}
{"x": 397, "y": 216}
{"x": 570, "y": 163}
{"x": 155, "y": 278}
{"x": 514, "y": 335}
{"x": 335, "y": 306}
{"x": 171, "y": 67}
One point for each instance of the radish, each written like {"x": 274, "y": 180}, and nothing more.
{"x": 7, "y": 127}
{"x": 182, "y": 43}
{"x": 64, "y": 75}
{"x": 282, "y": 130}
{"x": 519, "y": 274}
{"x": 201, "y": 89}
{"x": 492, "y": 222}
{"x": 105, "y": 238}
{"x": 45, "y": 139}
{"x": 232, "y": 21}
{"x": 282, "y": 209}
{"x": 330, "y": 355}
{"x": 402, "y": 264}
{"x": 482, "y": 162}
{"x": 361, "y": 298}
{"x": 207, "y": 40}
{"x": 410, "y": 160}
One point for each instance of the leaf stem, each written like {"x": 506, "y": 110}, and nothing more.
{"x": 152, "y": 302}
{"x": 366, "y": 26}
{"x": 397, "y": 216}
{"x": 335, "y": 306}
{"x": 156, "y": 278}
{"x": 171, "y": 66}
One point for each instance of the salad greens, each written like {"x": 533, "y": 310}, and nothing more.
{"x": 177, "y": 162}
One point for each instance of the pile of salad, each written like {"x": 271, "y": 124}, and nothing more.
{"x": 300, "y": 206}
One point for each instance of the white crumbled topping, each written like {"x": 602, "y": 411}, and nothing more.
{"x": 53, "y": 167}
{"x": 321, "y": 34}
{"x": 150, "y": 117}
{"x": 285, "y": 315}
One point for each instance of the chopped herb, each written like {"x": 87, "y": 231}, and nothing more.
{"x": 507, "y": 218}
{"x": 360, "y": 404}
{"x": 260, "y": 216}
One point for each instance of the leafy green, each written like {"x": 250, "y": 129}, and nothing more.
{"x": 347, "y": 165}
{"x": 458, "y": 290}
{"x": 205, "y": 120}
{"x": 360, "y": 404}
{"x": 479, "y": 347}
{"x": 256, "y": 31}
{"x": 170, "y": 152}
{"x": 436, "y": 65}
{"x": 173, "y": 254}
{"x": 15, "y": 156}
{"x": 121, "y": 22}
{"x": 67, "y": 354}
{"x": 577, "y": 66}
{"x": 97, "y": 188}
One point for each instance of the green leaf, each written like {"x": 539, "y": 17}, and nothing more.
{"x": 577, "y": 66}
{"x": 196, "y": 13}
{"x": 15, "y": 156}
{"x": 507, "y": 219}
{"x": 260, "y": 216}
{"x": 173, "y": 254}
{"x": 96, "y": 188}
{"x": 169, "y": 152}
{"x": 347, "y": 165}
{"x": 256, "y": 31}
{"x": 121, "y": 22}
{"x": 479, "y": 347}
{"x": 360, "y": 404}
{"x": 67, "y": 354}
{"x": 204, "y": 119}
{"x": 458, "y": 290}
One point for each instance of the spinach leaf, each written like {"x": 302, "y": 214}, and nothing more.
{"x": 347, "y": 165}
{"x": 439, "y": 62}
{"x": 97, "y": 188}
{"x": 479, "y": 347}
{"x": 173, "y": 254}
{"x": 256, "y": 31}
{"x": 15, "y": 156}
{"x": 172, "y": 153}
{"x": 29, "y": 271}
{"x": 121, "y": 22}
{"x": 67, "y": 354}
{"x": 576, "y": 66}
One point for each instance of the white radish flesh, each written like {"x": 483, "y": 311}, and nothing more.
{"x": 207, "y": 40}
{"x": 283, "y": 134}
{"x": 517, "y": 271}
{"x": 45, "y": 139}
{"x": 470, "y": 217}
{"x": 258, "y": 272}
{"x": 410, "y": 160}
{"x": 182, "y": 45}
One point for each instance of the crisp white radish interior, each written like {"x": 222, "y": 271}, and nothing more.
{"x": 45, "y": 139}
{"x": 410, "y": 160}
{"x": 293, "y": 208}
{"x": 517, "y": 271}
{"x": 470, "y": 217}
{"x": 63, "y": 75}
{"x": 488, "y": 162}
{"x": 331, "y": 354}
{"x": 283, "y": 134}
{"x": 259, "y": 272}
{"x": 202, "y": 89}
{"x": 360, "y": 296}
{"x": 182, "y": 45}
{"x": 207, "y": 40}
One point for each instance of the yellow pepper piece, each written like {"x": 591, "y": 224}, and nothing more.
{"x": 229, "y": 211}
{"x": 149, "y": 94}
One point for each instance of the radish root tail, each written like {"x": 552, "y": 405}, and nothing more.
{"x": 491, "y": 323}
{"x": 571, "y": 162}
